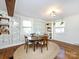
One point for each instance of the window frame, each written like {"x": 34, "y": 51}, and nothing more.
{"x": 27, "y": 26}
{"x": 59, "y": 27}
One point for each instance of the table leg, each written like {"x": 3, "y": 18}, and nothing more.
{"x": 34, "y": 46}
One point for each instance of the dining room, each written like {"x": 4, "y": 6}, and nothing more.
{"x": 38, "y": 29}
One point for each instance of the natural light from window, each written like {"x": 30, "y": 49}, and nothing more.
{"x": 59, "y": 27}
{"x": 27, "y": 23}
{"x": 59, "y": 30}
{"x": 27, "y": 27}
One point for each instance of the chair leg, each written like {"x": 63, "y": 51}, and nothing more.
{"x": 47, "y": 46}
{"x": 41, "y": 48}
{"x": 24, "y": 46}
{"x": 27, "y": 48}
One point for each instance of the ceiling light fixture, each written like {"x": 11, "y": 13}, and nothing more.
{"x": 53, "y": 13}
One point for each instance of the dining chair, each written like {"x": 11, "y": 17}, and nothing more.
{"x": 45, "y": 41}
{"x": 33, "y": 42}
{"x": 38, "y": 42}
{"x": 26, "y": 45}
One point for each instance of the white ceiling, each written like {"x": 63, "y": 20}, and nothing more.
{"x": 39, "y": 8}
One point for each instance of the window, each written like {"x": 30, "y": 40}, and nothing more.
{"x": 27, "y": 27}
{"x": 59, "y": 30}
{"x": 59, "y": 26}
{"x": 27, "y": 23}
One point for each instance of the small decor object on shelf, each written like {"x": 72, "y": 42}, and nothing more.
{"x": 49, "y": 29}
{"x": 4, "y": 28}
{"x": 47, "y": 24}
{"x": 0, "y": 14}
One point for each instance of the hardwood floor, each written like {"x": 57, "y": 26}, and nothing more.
{"x": 7, "y": 53}
{"x": 68, "y": 51}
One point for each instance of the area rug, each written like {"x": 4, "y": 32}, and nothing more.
{"x": 51, "y": 53}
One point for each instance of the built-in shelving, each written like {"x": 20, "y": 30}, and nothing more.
{"x": 4, "y": 18}
{"x": 49, "y": 30}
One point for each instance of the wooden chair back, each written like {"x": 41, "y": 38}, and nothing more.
{"x": 45, "y": 39}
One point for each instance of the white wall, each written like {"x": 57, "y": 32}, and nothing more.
{"x": 2, "y": 5}
{"x": 39, "y": 26}
{"x": 16, "y": 35}
{"x": 71, "y": 34}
